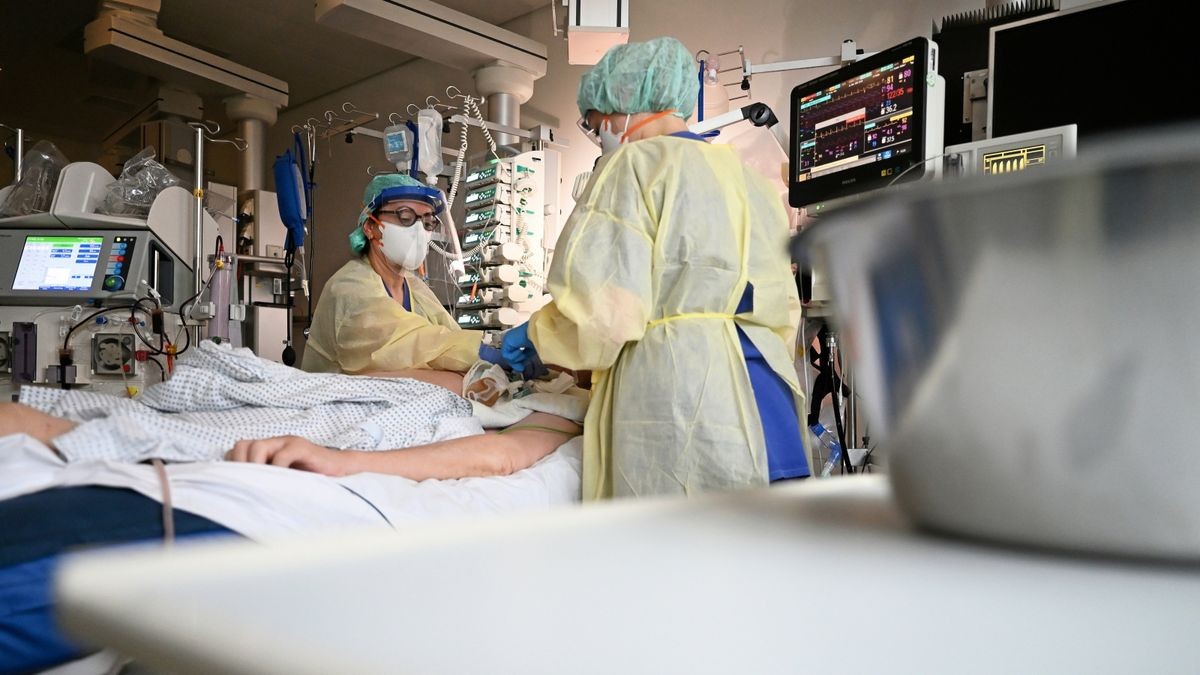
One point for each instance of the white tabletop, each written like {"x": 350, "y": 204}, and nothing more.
{"x": 820, "y": 577}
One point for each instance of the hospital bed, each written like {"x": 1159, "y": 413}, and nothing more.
{"x": 824, "y": 578}
{"x": 269, "y": 504}
{"x": 167, "y": 442}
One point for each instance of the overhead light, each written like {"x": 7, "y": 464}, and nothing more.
{"x": 594, "y": 27}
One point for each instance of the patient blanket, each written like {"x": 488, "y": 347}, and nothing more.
{"x": 219, "y": 395}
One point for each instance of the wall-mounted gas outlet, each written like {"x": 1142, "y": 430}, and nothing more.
{"x": 112, "y": 353}
{"x": 5, "y": 352}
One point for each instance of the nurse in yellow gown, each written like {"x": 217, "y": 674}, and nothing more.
{"x": 375, "y": 313}
{"x": 671, "y": 281}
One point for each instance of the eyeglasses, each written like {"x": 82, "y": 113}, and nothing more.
{"x": 592, "y": 135}
{"x": 406, "y": 217}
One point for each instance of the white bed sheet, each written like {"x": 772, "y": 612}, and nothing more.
{"x": 265, "y": 502}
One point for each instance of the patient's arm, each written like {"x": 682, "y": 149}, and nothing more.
{"x": 493, "y": 454}
{"x": 16, "y": 418}
{"x": 443, "y": 378}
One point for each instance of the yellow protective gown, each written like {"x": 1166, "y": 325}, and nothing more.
{"x": 646, "y": 277}
{"x": 358, "y": 327}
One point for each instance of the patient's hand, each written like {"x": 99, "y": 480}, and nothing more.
{"x": 291, "y": 452}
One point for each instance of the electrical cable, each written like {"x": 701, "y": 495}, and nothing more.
{"x": 835, "y": 397}
{"x": 471, "y": 104}
{"x": 865, "y": 461}
{"x": 457, "y": 175}
{"x": 183, "y": 304}
{"x": 921, "y": 163}
{"x": 470, "y": 107}
{"x": 483, "y": 242}
{"x": 219, "y": 248}
{"x": 161, "y": 367}
{"x": 89, "y": 317}
{"x": 187, "y": 340}
{"x": 125, "y": 369}
{"x": 816, "y": 358}
{"x": 289, "y": 261}
{"x": 142, "y": 337}
{"x": 312, "y": 239}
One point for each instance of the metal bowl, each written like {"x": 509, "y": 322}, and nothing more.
{"x": 1028, "y": 346}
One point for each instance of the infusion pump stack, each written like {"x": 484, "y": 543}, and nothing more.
{"x": 92, "y": 301}
{"x": 508, "y": 233}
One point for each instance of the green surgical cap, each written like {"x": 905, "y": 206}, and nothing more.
{"x": 358, "y": 239}
{"x": 642, "y": 77}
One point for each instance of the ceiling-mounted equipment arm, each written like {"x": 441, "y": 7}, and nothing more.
{"x": 434, "y": 32}
{"x": 850, "y": 54}
{"x": 759, "y": 114}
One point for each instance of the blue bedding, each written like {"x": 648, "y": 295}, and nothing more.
{"x": 37, "y": 530}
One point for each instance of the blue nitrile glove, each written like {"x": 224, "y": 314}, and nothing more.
{"x": 516, "y": 348}
{"x": 492, "y": 355}
{"x": 534, "y": 368}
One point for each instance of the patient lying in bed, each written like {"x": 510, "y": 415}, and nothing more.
{"x": 496, "y": 453}
{"x": 224, "y": 403}
{"x": 247, "y": 496}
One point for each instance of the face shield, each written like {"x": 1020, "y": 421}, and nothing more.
{"x": 438, "y": 223}
{"x": 446, "y": 243}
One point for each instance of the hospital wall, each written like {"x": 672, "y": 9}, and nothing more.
{"x": 770, "y": 30}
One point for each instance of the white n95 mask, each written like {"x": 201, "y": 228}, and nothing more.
{"x": 405, "y": 246}
{"x": 610, "y": 141}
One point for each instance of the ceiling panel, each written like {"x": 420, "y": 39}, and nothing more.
{"x": 49, "y": 85}
{"x": 281, "y": 39}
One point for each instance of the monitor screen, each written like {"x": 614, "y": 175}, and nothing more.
{"x": 861, "y": 126}
{"x": 1105, "y": 67}
{"x": 57, "y": 263}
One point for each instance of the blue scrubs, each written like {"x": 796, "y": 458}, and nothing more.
{"x": 772, "y": 396}
{"x": 776, "y": 408}
{"x": 404, "y": 301}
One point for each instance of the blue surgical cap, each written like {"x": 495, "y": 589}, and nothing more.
{"x": 388, "y": 187}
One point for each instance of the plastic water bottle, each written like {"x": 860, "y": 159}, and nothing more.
{"x": 827, "y": 438}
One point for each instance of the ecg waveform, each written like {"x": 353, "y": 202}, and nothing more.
{"x": 870, "y": 114}
{"x": 840, "y": 139}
